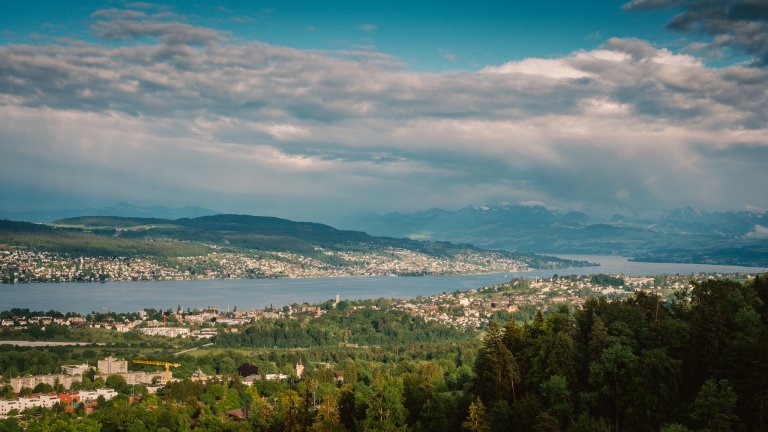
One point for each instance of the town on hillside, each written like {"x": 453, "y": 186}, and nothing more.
{"x": 20, "y": 265}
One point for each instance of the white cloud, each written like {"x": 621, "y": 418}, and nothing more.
{"x": 549, "y": 68}
{"x": 758, "y": 232}
{"x": 533, "y": 203}
{"x": 286, "y": 131}
{"x": 604, "y": 106}
{"x": 627, "y": 124}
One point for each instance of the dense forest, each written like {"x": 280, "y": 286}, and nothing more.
{"x": 366, "y": 326}
{"x": 698, "y": 362}
{"x": 695, "y": 362}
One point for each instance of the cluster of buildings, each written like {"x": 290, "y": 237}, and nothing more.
{"x": 389, "y": 262}
{"x": 468, "y": 309}
{"x": 42, "y": 320}
{"x": 113, "y": 366}
{"x": 165, "y": 331}
{"x": 408, "y": 262}
{"x": 24, "y": 322}
{"x": 7, "y": 406}
{"x": 71, "y": 374}
{"x": 18, "y": 265}
{"x": 199, "y": 324}
{"x": 473, "y": 308}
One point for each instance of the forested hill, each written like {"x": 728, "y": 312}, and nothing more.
{"x": 250, "y": 232}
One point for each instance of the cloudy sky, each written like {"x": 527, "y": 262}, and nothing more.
{"x": 311, "y": 110}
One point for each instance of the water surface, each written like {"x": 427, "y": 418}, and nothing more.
{"x": 260, "y": 293}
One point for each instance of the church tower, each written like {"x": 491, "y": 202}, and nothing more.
{"x": 299, "y": 368}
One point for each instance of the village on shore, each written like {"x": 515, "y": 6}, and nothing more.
{"x": 466, "y": 309}
{"x": 20, "y": 266}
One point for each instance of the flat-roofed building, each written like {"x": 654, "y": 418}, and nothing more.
{"x": 23, "y": 403}
{"x": 7, "y": 405}
{"x": 86, "y": 395}
{"x": 165, "y": 331}
{"x": 32, "y": 381}
{"x": 111, "y": 366}
{"x": 75, "y": 369}
{"x": 132, "y": 378}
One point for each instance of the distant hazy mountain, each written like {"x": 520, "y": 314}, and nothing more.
{"x": 121, "y": 210}
{"x": 683, "y": 235}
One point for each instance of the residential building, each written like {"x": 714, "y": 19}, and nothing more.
{"x": 7, "y": 405}
{"x": 23, "y": 403}
{"x": 31, "y": 381}
{"x": 111, "y": 366}
{"x": 133, "y": 378}
{"x": 165, "y": 331}
{"x": 75, "y": 369}
{"x": 88, "y": 395}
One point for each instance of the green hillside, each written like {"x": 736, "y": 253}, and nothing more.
{"x": 118, "y": 236}
{"x": 248, "y": 232}
{"x": 80, "y": 242}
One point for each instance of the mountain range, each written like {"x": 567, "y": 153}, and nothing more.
{"x": 682, "y": 235}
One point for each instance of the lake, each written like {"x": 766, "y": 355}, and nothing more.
{"x": 260, "y": 293}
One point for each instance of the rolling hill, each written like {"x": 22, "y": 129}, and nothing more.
{"x": 131, "y": 236}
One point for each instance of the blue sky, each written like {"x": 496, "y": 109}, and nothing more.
{"x": 311, "y": 110}
{"x": 426, "y": 35}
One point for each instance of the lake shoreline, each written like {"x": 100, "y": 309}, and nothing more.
{"x": 261, "y": 293}
{"x": 406, "y": 276}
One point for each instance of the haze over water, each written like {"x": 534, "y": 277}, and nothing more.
{"x": 261, "y": 293}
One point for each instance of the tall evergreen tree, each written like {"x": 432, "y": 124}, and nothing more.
{"x": 495, "y": 369}
{"x": 715, "y": 406}
{"x": 386, "y": 412}
{"x": 476, "y": 420}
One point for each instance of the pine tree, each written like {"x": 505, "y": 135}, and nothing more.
{"x": 386, "y": 412}
{"x": 288, "y": 402}
{"x": 327, "y": 418}
{"x": 598, "y": 338}
{"x": 477, "y": 418}
{"x": 715, "y": 405}
{"x": 347, "y": 407}
{"x": 495, "y": 369}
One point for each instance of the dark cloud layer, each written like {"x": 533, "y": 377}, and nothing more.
{"x": 182, "y": 114}
{"x": 737, "y": 24}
